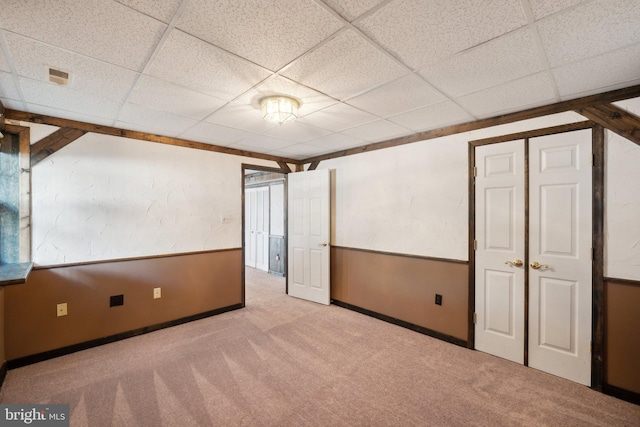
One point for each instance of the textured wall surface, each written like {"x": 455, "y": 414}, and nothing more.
{"x": 622, "y": 203}
{"x": 104, "y": 197}
{"x": 412, "y": 199}
{"x": 409, "y": 199}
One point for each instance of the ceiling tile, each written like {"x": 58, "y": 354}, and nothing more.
{"x": 377, "y": 131}
{"x": 421, "y": 32}
{"x": 195, "y": 64}
{"x": 498, "y": 61}
{"x": 88, "y": 75}
{"x": 162, "y": 10}
{"x": 590, "y": 30}
{"x": 210, "y": 133}
{"x": 68, "y": 99}
{"x": 11, "y": 103}
{"x": 599, "y": 73}
{"x": 264, "y": 143}
{"x": 338, "y": 117}
{"x": 336, "y": 142}
{"x": 7, "y": 86}
{"x": 309, "y": 99}
{"x": 344, "y": 66}
{"x": 4, "y": 64}
{"x": 153, "y": 121}
{"x": 296, "y": 131}
{"x": 241, "y": 116}
{"x": 168, "y": 97}
{"x": 269, "y": 33}
{"x": 526, "y": 92}
{"x": 297, "y": 151}
{"x": 542, "y": 8}
{"x": 101, "y": 29}
{"x": 351, "y": 9}
{"x": 432, "y": 117}
{"x": 407, "y": 93}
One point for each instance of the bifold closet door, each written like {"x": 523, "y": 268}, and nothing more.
{"x": 560, "y": 266}
{"x": 499, "y": 265}
{"x": 556, "y": 266}
{"x": 256, "y": 224}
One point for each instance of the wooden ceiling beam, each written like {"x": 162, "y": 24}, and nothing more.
{"x": 545, "y": 110}
{"x": 54, "y": 142}
{"x": 615, "y": 119}
{"x": 313, "y": 166}
{"x": 143, "y": 136}
{"x": 284, "y": 166}
{"x": 560, "y": 107}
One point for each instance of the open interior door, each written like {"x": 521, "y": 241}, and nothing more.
{"x": 309, "y": 226}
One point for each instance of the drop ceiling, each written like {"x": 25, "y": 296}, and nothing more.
{"x": 364, "y": 71}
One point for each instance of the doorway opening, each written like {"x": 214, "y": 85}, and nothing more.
{"x": 264, "y": 231}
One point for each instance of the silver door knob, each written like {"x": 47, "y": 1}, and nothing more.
{"x": 323, "y": 244}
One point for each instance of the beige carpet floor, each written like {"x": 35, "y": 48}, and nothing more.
{"x": 285, "y": 362}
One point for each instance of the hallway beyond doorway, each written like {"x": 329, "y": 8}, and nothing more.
{"x": 261, "y": 287}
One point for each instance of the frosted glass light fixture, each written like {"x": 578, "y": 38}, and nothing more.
{"x": 279, "y": 109}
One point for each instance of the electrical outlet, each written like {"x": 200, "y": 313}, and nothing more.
{"x": 157, "y": 293}
{"x": 61, "y": 309}
{"x": 116, "y": 300}
{"x": 438, "y": 299}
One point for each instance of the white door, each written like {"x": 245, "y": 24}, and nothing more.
{"x": 559, "y": 253}
{"x": 560, "y": 285}
{"x": 500, "y": 195}
{"x": 262, "y": 229}
{"x": 257, "y": 227}
{"x": 309, "y": 226}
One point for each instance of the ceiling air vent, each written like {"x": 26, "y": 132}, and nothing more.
{"x": 58, "y": 77}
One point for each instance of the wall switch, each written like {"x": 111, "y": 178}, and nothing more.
{"x": 438, "y": 299}
{"x": 61, "y": 309}
{"x": 157, "y": 293}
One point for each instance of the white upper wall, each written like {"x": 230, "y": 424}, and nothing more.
{"x": 622, "y": 203}
{"x": 410, "y": 199}
{"x": 104, "y": 197}
{"x": 413, "y": 199}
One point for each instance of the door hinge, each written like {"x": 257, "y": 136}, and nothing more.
{"x": 593, "y": 160}
{"x": 475, "y": 318}
{"x": 475, "y": 245}
{"x": 475, "y": 171}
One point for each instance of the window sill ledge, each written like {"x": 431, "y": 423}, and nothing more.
{"x": 14, "y": 274}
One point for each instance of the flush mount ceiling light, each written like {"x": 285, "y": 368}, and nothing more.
{"x": 279, "y": 109}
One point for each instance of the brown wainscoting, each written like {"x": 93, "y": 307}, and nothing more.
{"x": 191, "y": 284}
{"x": 622, "y": 341}
{"x": 404, "y": 287}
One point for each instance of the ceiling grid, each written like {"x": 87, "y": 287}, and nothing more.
{"x": 364, "y": 71}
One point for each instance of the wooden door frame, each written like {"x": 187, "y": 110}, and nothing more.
{"x": 597, "y": 327}
{"x": 244, "y": 167}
